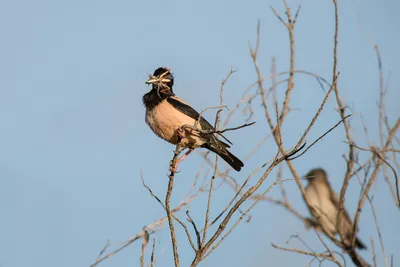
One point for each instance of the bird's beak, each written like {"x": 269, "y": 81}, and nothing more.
{"x": 151, "y": 81}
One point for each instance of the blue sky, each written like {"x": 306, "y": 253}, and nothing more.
{"x": 73, "y": 138}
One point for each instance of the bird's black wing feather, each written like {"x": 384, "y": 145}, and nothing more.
{"x": 191, "y": 112}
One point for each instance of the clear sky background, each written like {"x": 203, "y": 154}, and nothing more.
{"x": 73, "y": 137}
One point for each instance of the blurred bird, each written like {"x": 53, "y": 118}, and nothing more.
{"x": 326, "y": 204}
{"x": 166, "y": 114}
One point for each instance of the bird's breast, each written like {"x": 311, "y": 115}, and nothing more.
{"x": 165, "y": 121}
{"x": 326, "y": 211}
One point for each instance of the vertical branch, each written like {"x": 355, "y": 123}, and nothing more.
{"x": 382, "y": 120}
{"x": 289, "y": 24}
{"x": 210, "y": 196}
{"x": 381, "y": 95}
{"x": 168, "y": 207}
{"x": 217, "y": 126}
{"x": 350, "y": 161}
{"x": 379, "y": 233}
{"x": 152, "y": 253}
{"x": 254, "y": 54}
{"x": 373, "y": 252}
{"x": 335, "y": 40}
{"x": 145, "y": 240}
{"x": 290, "y": 27}
{"x": 273, "y": 81}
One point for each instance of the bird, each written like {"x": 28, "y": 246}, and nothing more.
{"x": 325, "y": 204}
{"x": 167, "y": 115}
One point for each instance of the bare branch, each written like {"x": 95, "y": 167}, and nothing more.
{"x": 168, "y": 207}
{"x": 145, "y": 240}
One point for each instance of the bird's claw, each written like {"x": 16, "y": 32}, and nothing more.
{"x": 181, "y": 133}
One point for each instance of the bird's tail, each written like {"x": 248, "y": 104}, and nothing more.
{"x": 360, "y": 244}
{"x": 219, "y": 148}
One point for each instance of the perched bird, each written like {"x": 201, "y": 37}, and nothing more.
{"x": 326, "y": 207}
{"x": 166, "y": 114}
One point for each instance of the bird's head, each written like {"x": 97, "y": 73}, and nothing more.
{"x": 162, "y": 79}
{"x": 317, "y": 175}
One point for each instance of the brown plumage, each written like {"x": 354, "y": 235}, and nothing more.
{"x": 326, "y": 204}
{"x": 166, "y": 114}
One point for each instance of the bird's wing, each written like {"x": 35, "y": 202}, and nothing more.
{"x": 335, "y": 200}
{"x": 186, "y": 109}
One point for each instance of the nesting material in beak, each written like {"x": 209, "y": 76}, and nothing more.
{"x": 151, "y": 80}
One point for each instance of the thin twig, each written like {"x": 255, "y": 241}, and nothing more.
{"x": 315, "y": 255}
{"x": 350, "y": 162}
{"x": 319, "y": 138}
{"x": 217, "y": 125}
{"x": 379, "y": 233}
{"x": 103, "y": 250}
{"x": 152, "y": 253}
{"x": 195, "y": 229}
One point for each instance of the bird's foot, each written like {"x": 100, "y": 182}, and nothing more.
{"x": 181, "y": 133}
